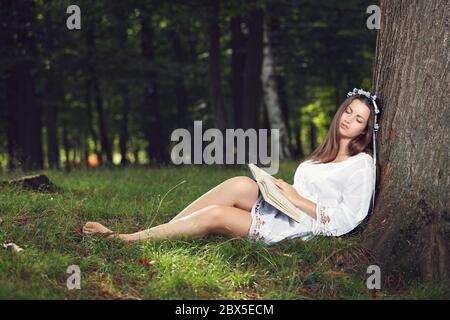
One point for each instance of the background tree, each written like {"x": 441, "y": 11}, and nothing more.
{"x": 24, "y": 112}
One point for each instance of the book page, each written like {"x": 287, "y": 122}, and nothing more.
{"x": 272, "y": 194}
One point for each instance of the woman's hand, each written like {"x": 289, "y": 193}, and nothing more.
{"x": 287, "y": 190}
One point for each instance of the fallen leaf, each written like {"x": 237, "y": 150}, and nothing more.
{"x": 378, "y": 294}
{"x": 144, "y": 261}
{"x": 306, "y": 290}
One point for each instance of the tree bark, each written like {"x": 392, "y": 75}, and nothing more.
{"x": 153, "y": 126}
{"x": 312, "y": 135}
{"x": 217, "y": 102}
{"x": 90, "y": 116}
{"x": 409, "y": 230}
{"x": 252, "y": 75}
{"x": 121, "y": 16}
{"x": 124, "y": 127}
{"x": 181, "y": 93}
{"x": 237, "y": 68}
{"x": 298, "y": 137}
{"x": 274, "y": 31}
{"x": 23, "y": 113}
{"x": 104, "y": 140}
{"x": 66, "y": 146}
{"x": 271, "y": 99}
{"x": 51, "y": 118}
{"x": 54, "y": 96}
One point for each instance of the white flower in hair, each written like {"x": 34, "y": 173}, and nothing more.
{"x": 361, "y": 92}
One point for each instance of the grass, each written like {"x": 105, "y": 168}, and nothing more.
{"x": 48, "y": 227}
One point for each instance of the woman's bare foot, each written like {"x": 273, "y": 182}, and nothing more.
{"x": 95, "y": 227}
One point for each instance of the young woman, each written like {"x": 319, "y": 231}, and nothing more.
{"x": 332, "y": 188}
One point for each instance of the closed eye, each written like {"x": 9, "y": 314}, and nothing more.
{"x": 349, "y": 110}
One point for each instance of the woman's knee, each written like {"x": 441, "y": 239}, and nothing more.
{"x": 243, "y": 184}
{"x": 212, "y": 218}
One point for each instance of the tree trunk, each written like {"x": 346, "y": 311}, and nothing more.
{"x": 136, "y": 156}
{"x": 252, "y": 75}
{"x": 90, "y": 116}
{"x": 104, "y": 141}
{"x": 237, "y": 68}
{"x": 152, "y": 120}
{"x": 409, "y": 230}
{"x": 51, "y": 119}
{"x": 121, "y": 17}
{"x": 271, "y": 100}
{"x": 298, "y": 137}
{"x": 53, "y": 97}
{"x": 273, "y": 33}
{"x": 23, "y": 113}
{"x": 124, "y": 126}
{"x": 66, "y": 146}
{"x": 312, "y": 135}
{"x": 217, "y": 103}
{"x": 181, "y": 93}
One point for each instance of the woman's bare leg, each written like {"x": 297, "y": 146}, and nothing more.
{"x": 240, "y": 192}
{"x": 212, "y": 219}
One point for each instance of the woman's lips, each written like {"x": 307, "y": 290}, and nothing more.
{"x": 343, "y": 126}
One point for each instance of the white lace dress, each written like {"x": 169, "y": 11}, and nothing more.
{"x": 342, "y": 192}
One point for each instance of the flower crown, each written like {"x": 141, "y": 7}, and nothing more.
{"x": 368, "y": 95}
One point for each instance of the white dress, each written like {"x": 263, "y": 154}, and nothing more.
{"x": 342, "y": 192}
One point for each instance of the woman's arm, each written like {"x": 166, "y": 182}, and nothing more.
{"x": 300, "y": 202}
{"x": 306, "y": 205}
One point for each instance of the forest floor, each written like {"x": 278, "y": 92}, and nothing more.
{"x": 48, "y": 228}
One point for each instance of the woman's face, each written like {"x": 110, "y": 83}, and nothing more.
{"x": 354, "y": 119}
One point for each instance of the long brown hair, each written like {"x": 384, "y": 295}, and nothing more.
{"x": 327, "y": 151}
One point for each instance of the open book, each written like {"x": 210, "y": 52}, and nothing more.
{"x": 272, "y": 194}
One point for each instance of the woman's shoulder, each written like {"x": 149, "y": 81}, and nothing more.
{"x": 305, "y": 163}
{"x": 302, "y": 166}
{"x": 365, "y": 156}
{"x": 362, "y": 160}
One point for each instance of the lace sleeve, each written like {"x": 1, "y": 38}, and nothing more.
{"x": 337, "y": 218}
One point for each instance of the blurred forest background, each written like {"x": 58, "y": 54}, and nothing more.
{"x": 112, "y": 92}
